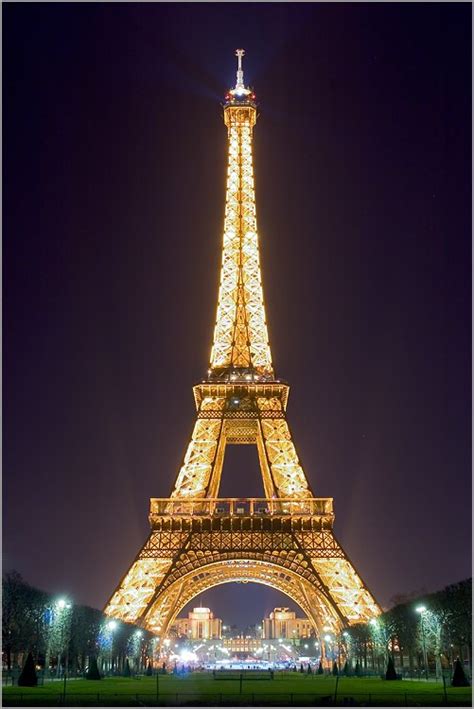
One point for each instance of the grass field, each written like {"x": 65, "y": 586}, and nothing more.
{"x": 201, "y": 689}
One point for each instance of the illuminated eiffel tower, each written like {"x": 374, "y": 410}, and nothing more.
{"x": 199, "y": 540}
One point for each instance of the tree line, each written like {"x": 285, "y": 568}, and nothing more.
{"x": 60, "y": 634}
{"x": 421, "y": 633}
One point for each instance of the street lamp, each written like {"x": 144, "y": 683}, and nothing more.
{"x": 63, "y": 605}
{"x": 137, "y": 649}
{"x": 112, "y": 625}
{"x": 374, "y": 645}
{"x": 325, "y": 649}
{"x": 166, "y": 649}
{"x": 422, "y": 610}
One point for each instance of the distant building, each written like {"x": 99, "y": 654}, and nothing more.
{"x": 199, "y": 625}
{"x": 242, "y": 644}
{"x": 283, "y": 623}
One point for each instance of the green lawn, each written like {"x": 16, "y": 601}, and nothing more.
{"x": 203, "y": 689}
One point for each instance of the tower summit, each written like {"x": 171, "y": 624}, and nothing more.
{"x": 199, "y": 540}
{"x": 240, "y": 350}
{"x": 239, "y": 86}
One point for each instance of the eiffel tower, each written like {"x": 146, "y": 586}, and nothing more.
{"x": 199, "y": 540}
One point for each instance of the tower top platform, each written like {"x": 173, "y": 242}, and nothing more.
{"x": 240, "y": 95}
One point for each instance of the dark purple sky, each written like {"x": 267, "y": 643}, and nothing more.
{"x": 114, "y": 176}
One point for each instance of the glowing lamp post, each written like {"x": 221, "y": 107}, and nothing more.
{"x": 112, "y": 626}
{"x": 375, "y": 627}
{"x": 346, "y": 641}
{"x": 138, "y": 649}
{"x": 422, "y": 610}
{"x": 63, "y": 606}
{"x": 327, "y": 641}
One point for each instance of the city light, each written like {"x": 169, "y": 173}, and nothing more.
{"x": 112, "y": 625}
{"x": 62, "y": 624}
{"x": 188, "y": 656}
{"x": 62, "y": 604}
{"x": 421, "y": 610}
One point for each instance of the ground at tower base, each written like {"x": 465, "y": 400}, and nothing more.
{"x": 204, "y": 689}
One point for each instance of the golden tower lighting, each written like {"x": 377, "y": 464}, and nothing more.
{"x": 198, "y": 540}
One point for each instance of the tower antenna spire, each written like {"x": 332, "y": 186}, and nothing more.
{"x": 239, "y": 53}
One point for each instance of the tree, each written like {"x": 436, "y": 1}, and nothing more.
{"x": 93, "y": 670}
{"x": 301, "y": 668}
{"x": 447, "y": 625}
{"x": 23, "y": 617}
{"x": 149, "y": 670}
{"x": 28, "y": 676}
{"x": 347, "y": 670}
{"x": 126, "y": 669}
{"x": 459, "y": 678}
{"x": 335, "y": 669}
{"x": 310, "y": 671}
{"x": 390, "y": 673}
{"x": 361, "y": 641}
{"x": 455, "y": 607}
{"x": 320, "y": 668}
{"x": 34, "y": 622}
{"x": 358, "y": 671}
{"x": 84, "y": 633}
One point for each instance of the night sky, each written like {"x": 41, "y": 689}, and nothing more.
{"x": 114, "y": 160}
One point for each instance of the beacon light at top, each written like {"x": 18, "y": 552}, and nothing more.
{"x": 240, "y": 94}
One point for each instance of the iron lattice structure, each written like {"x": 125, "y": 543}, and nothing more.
{"x": 284, "y": 540}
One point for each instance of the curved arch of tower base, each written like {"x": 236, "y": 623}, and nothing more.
{"x": 296, "y": 554}
{"x": 170, "y": 602}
